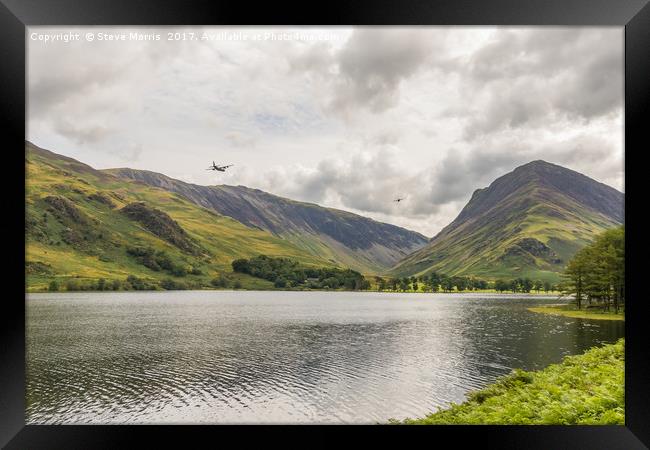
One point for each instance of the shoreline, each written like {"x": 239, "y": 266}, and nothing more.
{"x": 561, "y": 393}
{"x": 569, "y": 311}
{"x": 488, "y": 291}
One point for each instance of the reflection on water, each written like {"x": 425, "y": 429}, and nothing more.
{"x": 280, "y": 357}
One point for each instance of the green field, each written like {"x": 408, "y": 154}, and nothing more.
{"x": 76, "y": 230}
{"x": 586, "y": 389}
{"x": 572, "y": 311}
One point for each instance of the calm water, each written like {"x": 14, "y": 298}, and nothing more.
{"x": 280, "y": 357}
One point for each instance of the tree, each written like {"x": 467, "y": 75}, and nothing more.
{"x": 460, "y": 283}
{"x": 480, "y": 284}
{"x": 169, "y": 284}
{"x": 435, "y": 280}
{"x": 331, "y": 283}
{"x": 501, "y": 285}
{"x": 597, "y": 272}
{"x": 538, "y": 285}
{"x": 220, "y": 281}
{"x": 241, "y": 265}
{"x": 574, "y": 276}
{"x": 137, "y": 283}
{"x": 53, "y": 286}
{"x": 514, "y": 286}
{"x": 179, "y": 271}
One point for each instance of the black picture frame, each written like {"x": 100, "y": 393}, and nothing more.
{"x": 16, "y": 15}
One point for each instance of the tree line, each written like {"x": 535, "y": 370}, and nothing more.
{"x": 596, "y": 273}
{"x": 130, "y": 283}
{"x": 286, "y": 273}
{"x": 436, "y": 282}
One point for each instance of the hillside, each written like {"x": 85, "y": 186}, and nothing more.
{"x": 527, "y": 223}
{"x": 84, "y": 224}
{"x": 337, "y": 236}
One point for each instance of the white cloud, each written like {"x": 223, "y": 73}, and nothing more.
{"x": 423, "y": 112}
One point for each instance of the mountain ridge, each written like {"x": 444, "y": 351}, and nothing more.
{"x": 83, "y": 225}
{"x": 357, "y": 240}
{"x": 529, "y": 221}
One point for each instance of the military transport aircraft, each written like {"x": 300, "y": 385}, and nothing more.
{"x": 219, "y": 168}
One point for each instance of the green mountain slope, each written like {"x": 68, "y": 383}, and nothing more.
{"x": 527, "y": 223}
{"x": 337, "y": 236}
{"x": 85, "y": 224}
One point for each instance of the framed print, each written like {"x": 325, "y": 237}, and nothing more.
{"x": 370, "y": 215}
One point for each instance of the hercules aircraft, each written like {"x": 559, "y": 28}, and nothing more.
{"x": 219, "y": 168}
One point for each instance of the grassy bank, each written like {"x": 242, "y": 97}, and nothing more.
{"x": 572, "y": 311}
{"x": 586, "y": 389}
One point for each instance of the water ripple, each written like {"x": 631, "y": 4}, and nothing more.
{"x": 269, "y": 357}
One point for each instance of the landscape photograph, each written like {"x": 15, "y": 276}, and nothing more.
{"x": 325, "y": 225}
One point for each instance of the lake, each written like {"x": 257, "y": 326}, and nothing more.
{"x": 280, "y": 357}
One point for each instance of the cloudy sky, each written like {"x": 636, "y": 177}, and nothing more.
{"x": 345, "y": 117}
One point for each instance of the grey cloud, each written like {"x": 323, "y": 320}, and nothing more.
{"x": 374, "y": 62}
{"x": 79, "y": 90}
{"x": 133, "y": 151}
{"x": 530, "y": 78}
{"x": 596, "y": 91}
{"x": 314, "y": 59}
{"x": 367, "y": 182}
{"x": 458, "y": 176}
{"x": 386, "y": 137}
{"x": 127, "y": 151}
{"x": 314, "y": 186}
{"x": 81, "y": 134}
{"x": 367, "y": 71}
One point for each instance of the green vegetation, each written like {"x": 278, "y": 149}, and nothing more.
{"x": 527, "y": 224}
{"x": 84, "y": 226}
{"x": 586, "y": 389}
{"x": 285, "y": 273}
{"x": 596, "y": 274}
{"x": 436, "y": 282}
{"x": 595, "y": 278}
{"x": 572, "y": 311}
{"x": 160, "y": 224}
{"x": 159, "y": 260}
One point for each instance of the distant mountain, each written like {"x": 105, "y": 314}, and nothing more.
{"x": 84, "y": 225}
{"x": 528, "y": 222}
{"x": 338, "y": 236}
